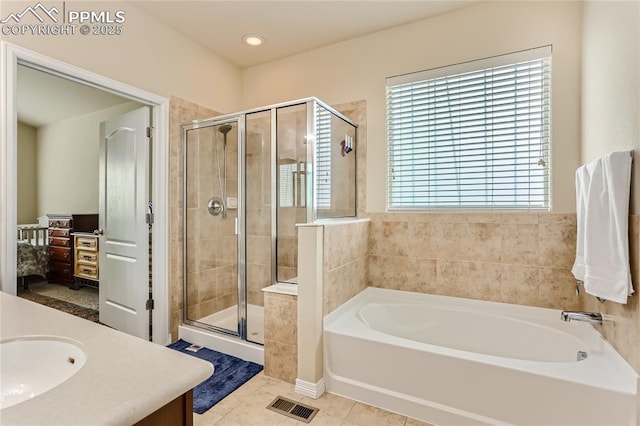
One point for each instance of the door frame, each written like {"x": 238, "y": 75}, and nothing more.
{"x": 12, "y": 55}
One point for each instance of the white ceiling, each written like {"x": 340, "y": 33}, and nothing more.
{"x": 289, "y": 27}
{"x": 44, "y": 98}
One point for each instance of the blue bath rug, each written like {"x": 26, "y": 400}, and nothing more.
{"x": 230, "y": 373}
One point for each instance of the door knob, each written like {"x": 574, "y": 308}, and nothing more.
{"x": 98, "y": 232}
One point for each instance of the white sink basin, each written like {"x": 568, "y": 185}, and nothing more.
{"x": 34, "y": 365}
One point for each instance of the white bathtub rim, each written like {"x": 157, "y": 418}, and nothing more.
{"x": 589, "y": 346}
{"x": 619, "y": 377}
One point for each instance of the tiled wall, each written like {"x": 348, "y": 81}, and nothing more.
{"x": 357, "y": 112}
{"x": 345, "y": 262}
{"x": 281, "y": 336}
{"x": 180, "y": 112}
{"x": 509, "y": 257}
{"x": 624, "y": 331}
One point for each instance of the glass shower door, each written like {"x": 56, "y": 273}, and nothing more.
{"x": 210, "y": 227}
{"x": 259, "y": 219}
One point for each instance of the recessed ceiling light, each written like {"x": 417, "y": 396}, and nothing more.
{"x": 253, "y": 39}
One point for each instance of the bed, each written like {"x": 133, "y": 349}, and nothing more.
{"x": 33, "y": 255}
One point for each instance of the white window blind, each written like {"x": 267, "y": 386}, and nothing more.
{"x": 287, "y": 183}
{"x": 473, "y": 135}
{"x": 323, "y": 158}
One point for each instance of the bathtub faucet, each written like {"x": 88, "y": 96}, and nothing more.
{"x": 592, "y": 317}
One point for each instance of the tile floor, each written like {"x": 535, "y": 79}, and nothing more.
{"x": 247, "y": 406}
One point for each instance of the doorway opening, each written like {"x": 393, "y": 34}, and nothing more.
{"x": 126, "y": 98}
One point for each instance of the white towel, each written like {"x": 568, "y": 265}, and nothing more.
{"x": 583, "y": 180}
{"x": 602, "y": 249}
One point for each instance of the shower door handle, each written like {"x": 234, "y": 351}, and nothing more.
{"x": 215, "y": 206}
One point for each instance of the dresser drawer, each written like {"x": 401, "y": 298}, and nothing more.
{"x": 55, "y": 232}
{"x": 60, "y": 223}
{"x": 60, "y": 242}
{"x": 87, "y": 257}
{"x": 60, "y": 254}
{"x": 90, "y": 243}
{"x": 60, "y": 270}
{"x": 89, "y": 271}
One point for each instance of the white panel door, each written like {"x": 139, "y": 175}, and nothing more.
{"x": 124, "y": 233}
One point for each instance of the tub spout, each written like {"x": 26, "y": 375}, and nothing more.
{"x": 592, "y": 317}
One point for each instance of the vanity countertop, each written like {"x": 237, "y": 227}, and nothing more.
{"x": 123, "y": 380}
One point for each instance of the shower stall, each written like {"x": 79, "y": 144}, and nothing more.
{"x": 250, "y": 177}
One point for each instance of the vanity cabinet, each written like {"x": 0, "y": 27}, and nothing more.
{"x": 178, "y": 412}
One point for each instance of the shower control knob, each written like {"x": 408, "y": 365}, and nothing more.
{"x": 215, "y": 206}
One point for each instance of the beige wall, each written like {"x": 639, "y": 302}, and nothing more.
{"x": 611, "y": 121}
{"x": 357, "y": 69}
{"x": 611, "y": 82}
{"x": 148, "y": 55}
{"x": 68, "y": 158}
{"x": 27, "y": 174}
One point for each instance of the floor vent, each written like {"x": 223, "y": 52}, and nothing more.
{"x": 292, "y": 409}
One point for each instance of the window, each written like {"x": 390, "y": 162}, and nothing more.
{"x": 472, "y": 135}
{"x": 323, "y": 158}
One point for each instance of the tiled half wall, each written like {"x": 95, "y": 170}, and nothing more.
{"x": 509, "y": 257}
{"x": 281, "y": 336}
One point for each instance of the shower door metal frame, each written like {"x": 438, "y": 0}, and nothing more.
{"x": 239, "y": 121}
{"x": 240, "y": 118}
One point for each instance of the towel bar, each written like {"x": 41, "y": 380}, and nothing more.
{"x": 581, "y": 283}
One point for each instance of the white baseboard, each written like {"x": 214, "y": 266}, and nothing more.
{"x": 312, "y": 390}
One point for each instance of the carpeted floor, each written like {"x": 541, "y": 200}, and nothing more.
{"x": 85, "y": 296}
{"x": 61, "y": 305}
{"x": 230, "y": 373}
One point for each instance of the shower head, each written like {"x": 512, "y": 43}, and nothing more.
{"x": 224, "y": 129}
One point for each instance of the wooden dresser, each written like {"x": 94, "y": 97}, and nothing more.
{"x": 61, "y": 254}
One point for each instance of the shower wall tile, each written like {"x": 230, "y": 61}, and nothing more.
{"x": 344, "y": 271}
{"x": 259, "y": 249}
{"x": 357, "y": 112}
{"x": 281, "y": 336}
{"x": 622, "y": 329}
{"x": 484, "y": 241}
{"x": 520, "y": 243}
{"x": 519, "y": 284}
{"x": 281, "y": 318}
{"x": 343, "y": 282}
{"x": 421, "y": 275}
{"x": 504, "y": 257}
{"x": 557, "y": 242}
{"x": 451, "y": 238}
{"x": 287, "y": 251}
{"x": 424, "y": 239}
{"x": 389, "y": 272}
{"x": 557, "y": 289}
